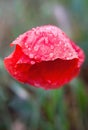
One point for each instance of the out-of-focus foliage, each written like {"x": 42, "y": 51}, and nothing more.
{"x": 24, "y": 107}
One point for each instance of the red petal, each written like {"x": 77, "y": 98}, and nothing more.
{"x": 80, "y": 53}
{"x": 47, "y": 74}
{"x": 53, "y": 74}
{"x": 46, "y": 43}
{"x": 12, "y": 64}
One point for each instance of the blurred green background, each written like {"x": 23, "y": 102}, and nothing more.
{"x": 23, "y": 107}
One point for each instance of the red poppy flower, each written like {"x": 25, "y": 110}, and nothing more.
{"x": 44, "y": 57}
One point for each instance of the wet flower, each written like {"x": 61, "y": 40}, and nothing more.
{"x": 44, "y": 57}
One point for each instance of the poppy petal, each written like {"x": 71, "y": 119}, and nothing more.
{"x": 44, "y": 57}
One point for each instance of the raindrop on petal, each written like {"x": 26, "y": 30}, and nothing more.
{"x": 49, "y": 81}
{"x": 46, "y": 40}
{"x": 32, "y": 62}
{"x": 29, "y": 49}
{"x": 51, "y": 55}
{"x": 52, "y": 47}
{"x": 67, "y": 58}
{"x": 31, "y": 55}
{"x": 36, "y": 48}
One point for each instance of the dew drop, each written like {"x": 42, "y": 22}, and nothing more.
{"x": 64, "y": 49}
{"x": 46, "y": 40}
{"x": 33, "y": 29}
{"x": 51, "y": 54}
{"x": 65, "y": 44}
{"x": 15, "y": 73}
{"x": 32, "y": 62}
{"x": 55, "y": 34}
{"x": 70, "y": 54}
{"x": 26, "y": 45}
{"x": 37, "y": 84}
{"x": 36, "y": 32}
{"x": 31, "y": 55}
{"x": 49, "y": 81}
{"x": 52, "y": 47}
{"x": 67, "y": 58}
{"x": 36, "y": 48}
{"x": 29, "y": 49}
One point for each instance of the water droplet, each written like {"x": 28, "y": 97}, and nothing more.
{"x": 26, "y": 45}
{"x": 55, "y": 34}
{"x": 52, "y": 47}
{"x": 46, "y": 40}
{"x": 36, "y": 48}
{"x": 36, "y": 32}
{"x": 29, "y": 49}
{"x": 31, "y": 55}
{"x": 32, "y": 62}
{"x": 33, "y": 29}
{"x": 51, "y": 54}
{"x": 64, "y": 49}
{"x": 15, "y": 73}
{"x": 49, "y": 81}
{"x": 65, "y": 44}
{"x": 37, "y": 84}
{"x": 67, "y": 58}
{"x": 70, "y": 54}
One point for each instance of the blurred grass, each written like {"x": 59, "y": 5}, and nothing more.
{"x": 24, "y": 107}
